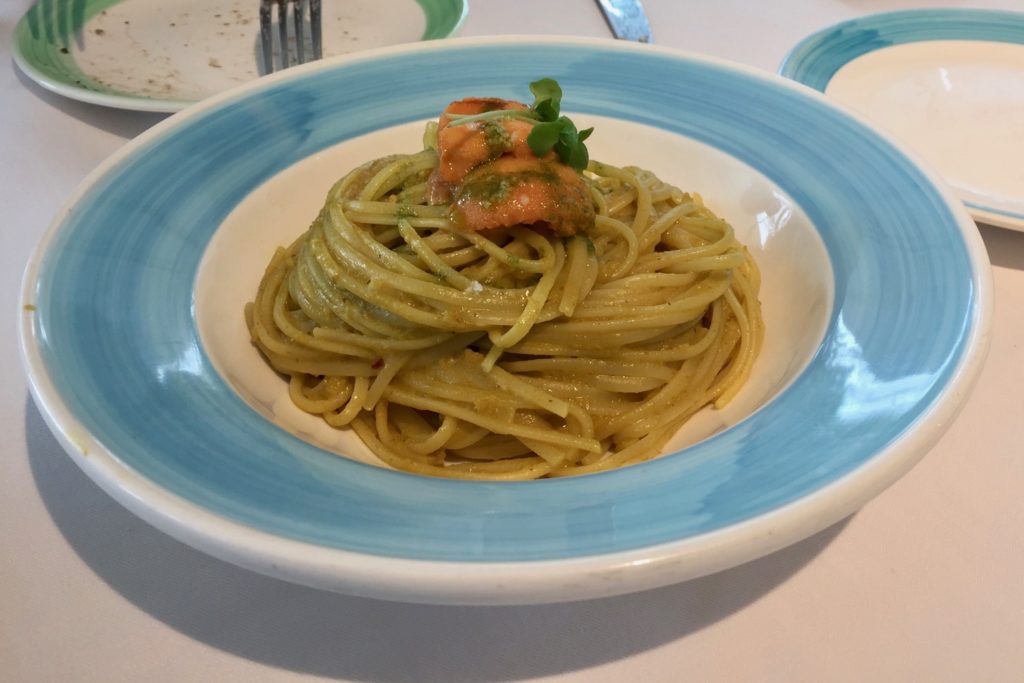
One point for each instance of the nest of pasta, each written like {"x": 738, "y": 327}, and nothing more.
{"x": 515, "y": 352}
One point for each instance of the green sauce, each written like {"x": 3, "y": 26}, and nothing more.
{"x": 497, "y": 138}
{"x": 493, "y": 188}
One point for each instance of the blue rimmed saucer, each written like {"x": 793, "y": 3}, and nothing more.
{"x": 945, "y": 82}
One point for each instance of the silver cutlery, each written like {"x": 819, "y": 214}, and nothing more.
{"x": 299, "y": 26}
{"x": 627, "y": 19}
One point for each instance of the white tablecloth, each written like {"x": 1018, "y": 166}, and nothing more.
{"x": 926, "y": 583}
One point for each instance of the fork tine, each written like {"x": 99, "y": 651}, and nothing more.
{"x": 266, "y": 40}
{"x": 298, "y": 13}
{"x": 315, "y": 27}
{"x": 282, "y": 30}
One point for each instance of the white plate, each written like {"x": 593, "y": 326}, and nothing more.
{"x": 949, "y": 83}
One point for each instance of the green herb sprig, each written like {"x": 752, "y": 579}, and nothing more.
{"x": 550, "y": 129}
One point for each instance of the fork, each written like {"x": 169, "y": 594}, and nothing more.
{"x": 298, "y": 15}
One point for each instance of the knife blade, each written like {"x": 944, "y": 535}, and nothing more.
{"x": 627, "y": 19}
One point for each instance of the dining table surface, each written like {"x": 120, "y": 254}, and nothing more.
{"x": 924, "y": 583}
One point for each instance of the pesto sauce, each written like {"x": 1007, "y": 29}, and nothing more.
{"x": 487, "y": 190}
{"x": 587, "y": 242}
{"x": 492, "y": 188}
{"x": 497, "y": 138}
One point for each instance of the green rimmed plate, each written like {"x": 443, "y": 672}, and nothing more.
{"x": 151, "y": 55}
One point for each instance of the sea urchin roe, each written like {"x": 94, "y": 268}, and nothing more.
{"x": 464, "y": 147}
{"x": 524, "y": 191}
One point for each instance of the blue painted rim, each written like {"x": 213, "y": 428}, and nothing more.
{"x": 115, "y": 331}
{"x": 817, "y": 58}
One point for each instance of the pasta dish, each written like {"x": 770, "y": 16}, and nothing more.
{"x": 500, "y": 306}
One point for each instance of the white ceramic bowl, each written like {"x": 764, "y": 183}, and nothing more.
{"x": 138, "y": 358}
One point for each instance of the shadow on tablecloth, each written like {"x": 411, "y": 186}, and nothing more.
{"x": 1005, "y": 247}
{"x": 315, "y": 632}
{"x": 124, "y": 123}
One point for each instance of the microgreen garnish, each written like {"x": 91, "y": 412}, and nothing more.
{"x": 547, "y": 98}
{"x": 550, "y": 130}
{"x": 562, "y": 136}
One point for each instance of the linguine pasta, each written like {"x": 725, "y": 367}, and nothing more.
{"x": 514, "y": 353}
